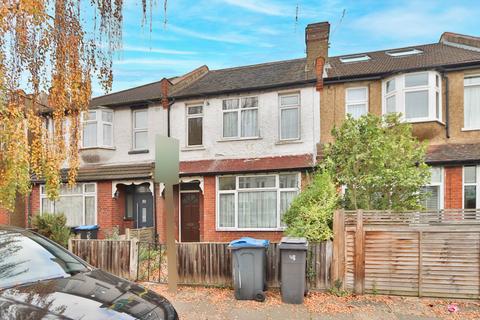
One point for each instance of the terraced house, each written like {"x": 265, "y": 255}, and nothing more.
{"x": 250, "y": 135}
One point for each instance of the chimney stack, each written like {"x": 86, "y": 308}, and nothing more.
{"x": 316, "y": 40}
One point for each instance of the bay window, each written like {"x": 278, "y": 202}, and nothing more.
{"x": 356, "y": 101}
{"x": 77, "y": 203}
{"x": 255, "y": 202}
{"x": 472, "y": 103}
{"x": 240, "y": 118}
{"x": 416, "y": 95}
{"x": 98, "y": 128}
{"x": 290, "y": 116}
{"x": 434, "y": 190}
{"x": 140, "y": 129}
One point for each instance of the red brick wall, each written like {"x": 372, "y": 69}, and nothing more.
{"x": 4, "y": 219}
{"x": 209, "y": 232}
{"x": 453, "y": 187}
{"x": 34, "y": 204}
{"x": 110, "y": 211}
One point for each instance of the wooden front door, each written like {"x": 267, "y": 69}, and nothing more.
{"x": 190, "y": 213}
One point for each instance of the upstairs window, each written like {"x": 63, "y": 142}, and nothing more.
{"x": 240, "y": 118}
{"x": 472, "y": 102}
{"x": 194, "y": 125}
{"x": 356, "y": 101}
{"x": 416, "y": 95}
{"x": 290, "y": 116}
{"x": 140, "y": 129}
{"x": 98, "y": 128}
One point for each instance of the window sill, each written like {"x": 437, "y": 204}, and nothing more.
{"x": 238, "y": 139}
{"x": 424, "y": 121}
{"x": 98, "y": 148}
{"x": 250, "y": 230}
{"x": 296, "y": 141}
{"x": 470, "y": 129}
{"x": 138, "y": 151}
{"x": 193, "y": 148}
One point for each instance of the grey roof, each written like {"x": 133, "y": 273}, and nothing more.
{"x": 453, "y": 153}
{"x": 292, "y": 72}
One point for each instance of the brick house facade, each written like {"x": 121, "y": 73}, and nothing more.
{"x": 249, "y": 136}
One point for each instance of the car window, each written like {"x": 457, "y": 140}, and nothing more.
{"x": 27, "y": 257}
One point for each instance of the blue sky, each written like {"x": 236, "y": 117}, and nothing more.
{"x": 229, "y": 33}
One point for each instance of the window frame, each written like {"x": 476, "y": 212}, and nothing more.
{"x": 239, "y": 118}
{"x": 138, "y": 130}
{"x": 193, "y": 116}
{"x": 356, "y": 102}
{"x": 400, "y": 91}
{"x": 289, "y": 107}
{"x": 237, "y": 190}
{"x": 99, "y": 125}
{"x": 465, "y": 128}
{"x": 476, "y": 184}
{"x": 84, "y": 195}
{"x": 440, "y": 185}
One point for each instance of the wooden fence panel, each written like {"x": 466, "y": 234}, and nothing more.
{"x": 110, "y": 255}
{"x": 434, "y": 254}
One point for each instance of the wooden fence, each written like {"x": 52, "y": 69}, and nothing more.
{"x": 116, "y": 256}
{"x": 210, "y": 264}
{"x": 435, "y": 254}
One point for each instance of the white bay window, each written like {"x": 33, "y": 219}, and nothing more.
{"x": 240, "y": 118}
{"x": 416, "y": 95}
{"x": 255, "y": 202}
{"x": 98, "y": 129}
{"x": 77, "y": 203}
{"x": 472, "y": 103}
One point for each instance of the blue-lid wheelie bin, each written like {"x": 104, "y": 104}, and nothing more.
{"x": 249, "y": 268}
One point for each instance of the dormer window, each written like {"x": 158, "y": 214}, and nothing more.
{"x": 403, "y": 52}
{"x": 416, "y": 95}
{"x": 355, "y": 58}
{"x": 98, "y": 129}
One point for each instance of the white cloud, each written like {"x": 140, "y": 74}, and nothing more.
{"x": 264, "y": 7}
{"x": 225, "y": 37}
{"x": 156, "y": 50}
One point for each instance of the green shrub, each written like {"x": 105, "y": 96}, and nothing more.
{"x": 311, "y": 212}
{"x": 53, "y": 226}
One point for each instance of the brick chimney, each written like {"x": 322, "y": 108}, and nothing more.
{"x": 316, "y": 40}
{"x": 461, "y": 41}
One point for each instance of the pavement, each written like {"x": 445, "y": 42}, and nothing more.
{"x": 201, "y": 303}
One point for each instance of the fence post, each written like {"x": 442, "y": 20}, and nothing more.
{"x": 359, "y": 278}
{"x": 338, "y": 259}
{"x": 70, "y": 245}
{"x": 133, "y": 259}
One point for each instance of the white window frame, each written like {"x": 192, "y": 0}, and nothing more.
{"x": 238, "y": 190}
{"x": 476, "y": 184}
{"x": 356, "y": 102}
{"x": 138, "y": 130}
{"x": 193, "y": 116}
{"x": 288, "y": 107}
{"x": 84, "y": 194}
{"x": 239, "y": 118}
{"x": 400, "y": 92}
{"x": 465, "y": 128}
{"x": 441, "y": 187}
{"x": 99, "y": 124}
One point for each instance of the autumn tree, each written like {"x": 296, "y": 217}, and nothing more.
{"x": 55, "y": 47}
{"x": 379, "y": 163}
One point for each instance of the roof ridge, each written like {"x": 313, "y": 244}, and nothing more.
{"x": 258, "y": 64}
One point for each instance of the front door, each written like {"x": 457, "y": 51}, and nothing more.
{"x": 190, "y": 213}
{"x": 143, "y": 210}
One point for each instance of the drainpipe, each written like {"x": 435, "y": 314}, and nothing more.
{"x": 168, "y": 116}
{"x": 447, "y": 113}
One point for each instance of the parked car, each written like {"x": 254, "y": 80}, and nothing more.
{"x": 41, "y": 280}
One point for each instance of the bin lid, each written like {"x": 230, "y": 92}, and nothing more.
{"x": 247, "y": 242}
{"x": 293, "y": 243}
{"x": 87, "y": 228}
